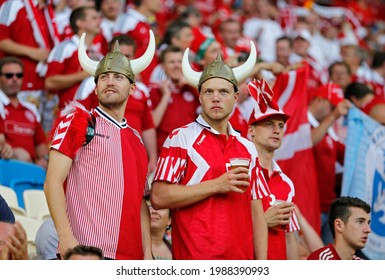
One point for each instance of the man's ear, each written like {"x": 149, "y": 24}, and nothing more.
{"x": 339, "y": 225}
{"x": 132, "y": 89}
{"x": 236, "y": 96}
{"x": 251, "y": 130}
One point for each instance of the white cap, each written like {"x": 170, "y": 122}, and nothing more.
{"x": 304, "y": 34}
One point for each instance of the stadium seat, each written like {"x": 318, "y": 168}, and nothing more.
{"x": 36, "y": 204}
{"x": 11, "y": 198}
{"x": 30, "y": 225}
{"x": 20, "y": 176}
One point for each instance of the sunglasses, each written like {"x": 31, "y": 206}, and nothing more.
{"x": 11, "y": 75}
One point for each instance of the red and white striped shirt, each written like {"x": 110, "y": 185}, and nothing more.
{"x": 220, "y": 226}
{"x": 105, "y": 185}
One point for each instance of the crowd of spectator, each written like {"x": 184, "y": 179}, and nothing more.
{"x": 341, "y": 42}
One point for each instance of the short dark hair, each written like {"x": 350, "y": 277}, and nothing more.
{"x": 173, "y": 30}
{"x": 137, "y": 3}
{"x": 229, "y": 20}
{"x": 124, "y": 40}
{"x": 84, "y": 250}
{"x": 357, "y": 90}
{"x": 339, "y": 63}
{"x": 340, "y": 209}
{"x": 169, "y": 49}
{"x": 378, "y": 59}
{"x": 78, "y": 13}
{"x": 10, "y": 60}
{"x": 285, "y": 38}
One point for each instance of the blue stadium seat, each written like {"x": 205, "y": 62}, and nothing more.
{"x": 21, "y": 176}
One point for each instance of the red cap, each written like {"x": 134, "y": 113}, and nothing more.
{"x": 200, "y": 43}
{"x": 331, "y": 92}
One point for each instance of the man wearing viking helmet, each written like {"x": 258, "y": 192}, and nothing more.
{"x": 218, "y": 211}
{"x": 97, "y": 168}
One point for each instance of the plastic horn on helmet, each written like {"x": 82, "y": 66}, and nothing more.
{"x": 241, "y": 72}
{"x": 137, "y": 65}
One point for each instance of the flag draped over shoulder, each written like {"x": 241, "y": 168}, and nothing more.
{"x": 364, "y": 174}
{"x": 295, "y": 156}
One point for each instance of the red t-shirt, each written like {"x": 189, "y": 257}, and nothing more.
{"x": 138, "y": 109}
{"x": 21, "y": 129}
{"x": 220, "y": 226}
{"x": 181, "y": 110}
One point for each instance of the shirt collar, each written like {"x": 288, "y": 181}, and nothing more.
{"x": 4, "y": 99}
{"x": 110, "y": 119}
{"x": 315, "y": 123}
{"x": 201, "y": 121}
{"x": 75, "y": 39}
{"x": 134, "y": 13}
{"x": 276, "y": 167}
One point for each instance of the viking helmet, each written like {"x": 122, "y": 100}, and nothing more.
{"x": 115, "y": 61}
{"x": 218, "y": 69}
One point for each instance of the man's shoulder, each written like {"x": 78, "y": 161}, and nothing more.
{"x": 325, "y": 253}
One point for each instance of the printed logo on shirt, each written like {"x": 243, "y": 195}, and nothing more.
{"x": 201, "y": 140}
{"x": 102, "y": 135}
{"x": 17, "y": 128}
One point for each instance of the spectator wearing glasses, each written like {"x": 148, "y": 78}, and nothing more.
{"x": 19, "y": 121}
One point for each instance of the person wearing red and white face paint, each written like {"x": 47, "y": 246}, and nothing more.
{"x": 266, "y": 127}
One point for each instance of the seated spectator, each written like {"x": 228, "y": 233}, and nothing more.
{"x": 363, "y": 97}
{"x": 349, "y": 219}
{"x": 5, "y": 149}
{"x": 82, "y": 252}
{"x": 20, "y": 126}
{"x": 13, "y": 242}
{"x": 160, "y": 223}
